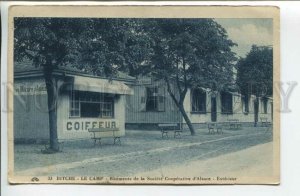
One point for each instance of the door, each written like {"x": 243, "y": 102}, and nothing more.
{"x": 256, "y": 105}
{"x": 213, "y": 109}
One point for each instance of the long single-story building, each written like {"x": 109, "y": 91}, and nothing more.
{"x": 151, "y": 105}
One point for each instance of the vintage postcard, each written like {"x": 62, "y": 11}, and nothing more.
{"x": 143, "y": 94}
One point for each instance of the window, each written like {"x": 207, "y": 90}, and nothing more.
{"x": 198, "y": 101}
{"x": 226, "y": 101}
{"x": 74, "y": 104}
{"x": 91, "y": 105}
{"x": 152, "y": 99}
{"x": 155, "y": 99}
{"x": 245, "y": 102}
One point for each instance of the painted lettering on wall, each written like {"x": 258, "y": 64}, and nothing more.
{"x": 74, "y": 125}
{"x": 37, "y": 87}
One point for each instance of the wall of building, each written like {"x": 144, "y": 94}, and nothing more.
{"x": 31, "y": 119}
{"x": 197, "y": 117}
{"x": 138, "y": 117}
{"x": 238, "y": 110}
{"x": 269, "y": 113}
{"x": 30, "y": 113}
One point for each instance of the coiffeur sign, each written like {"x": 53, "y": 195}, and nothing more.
{"x": 85, "y": 124}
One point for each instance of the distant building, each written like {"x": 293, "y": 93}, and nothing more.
{"x": 151, "y": 104}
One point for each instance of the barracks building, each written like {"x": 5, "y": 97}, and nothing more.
{"x": 85, "y": 101}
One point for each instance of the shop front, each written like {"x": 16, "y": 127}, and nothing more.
{"x": 92, "y": 103}
{"x": 83, "y": 102}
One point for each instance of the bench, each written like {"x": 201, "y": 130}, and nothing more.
{"x": 264, "y": 122}
{"x": 165, "y": 128}
{"x": 98, "y": 133}
{"x": 212, "y": 126}
{"x": 234, "y": 124}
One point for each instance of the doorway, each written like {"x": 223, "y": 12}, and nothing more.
{"x": 256, "y": 106}
{"x": 213, "y": 109}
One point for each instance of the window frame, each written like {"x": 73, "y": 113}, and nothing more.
{"x": 72, "y": 102}
{"x": 101, "y": 102}
{"x": 245, "y": 105}
{"x": 157, "y": 98}
{"x": 224, "y": 110}
{"x": 202, "y": 93}
{"x": 264, "y": 105}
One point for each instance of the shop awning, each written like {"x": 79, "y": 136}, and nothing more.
{"x": 101, "y": 85}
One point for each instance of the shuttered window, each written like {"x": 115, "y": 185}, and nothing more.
{"x": 155, "y": 99}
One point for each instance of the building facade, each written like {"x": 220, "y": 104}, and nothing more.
{"x": 151, "y": 105}
{"x": 85, "y": 101}
{"x": 82, "y": 102}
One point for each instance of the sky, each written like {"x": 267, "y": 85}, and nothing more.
{"x": 248, "y": 31}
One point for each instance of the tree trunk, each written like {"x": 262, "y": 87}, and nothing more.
{"x": 187, "y": 120}
{"x": 180, "y": 106}
{"x": 52, "y": 106}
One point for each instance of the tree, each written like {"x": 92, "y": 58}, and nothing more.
{"x": 193, "y": 53}
{"x": 255, "y": 75}
{"x": 117, "y": 45}
{"x": 48, "y": 43}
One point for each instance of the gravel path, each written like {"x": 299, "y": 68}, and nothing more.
{"x": 254, "y": 162}
{"x": 141, "y": 151}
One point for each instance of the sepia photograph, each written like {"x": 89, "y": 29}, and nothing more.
{"x": 143, "y": 95}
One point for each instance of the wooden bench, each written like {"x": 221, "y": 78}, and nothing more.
{"x": 212, "y": 126}
{"x": 98, "y": 133}
{"x": 234, "y": 124}
{"x": 264, "y": 122}
{"x": 165, "y": 128}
